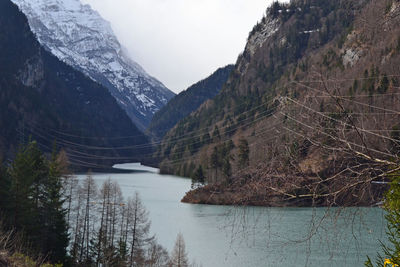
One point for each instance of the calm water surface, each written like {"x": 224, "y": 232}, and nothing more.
{"x": 253, "y": 236}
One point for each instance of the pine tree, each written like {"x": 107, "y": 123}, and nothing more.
{"x": 226, "y": 167}
{"x": 36, "y": 202}
{"x": 392, "y": 206}
{"x": 55, "y": 237}
{"x": 5, "y": 199}
{"x": 215, "y": 162}
{"x": 225, "y": 158}
{"x": 25, "y": 186}
{"x": 243, "y": 154}
{"x": 384, "y": 85}
{"x": 198, "y": 177}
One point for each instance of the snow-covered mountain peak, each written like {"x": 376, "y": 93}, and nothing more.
{"x": 57, "y": 5}
{"x": 79, "y": 36}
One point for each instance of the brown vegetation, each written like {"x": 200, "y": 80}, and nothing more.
{"x": 325, "y": 133}
{"x": 14, "y": 252}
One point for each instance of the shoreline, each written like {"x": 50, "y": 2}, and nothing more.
{"x": 216, "y": 194}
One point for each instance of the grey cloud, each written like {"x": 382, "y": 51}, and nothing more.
{"x": 182, "y": 41}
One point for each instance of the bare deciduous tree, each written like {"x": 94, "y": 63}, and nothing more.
{"x": 179, "y": 256}
{"x": 138, "y": 230}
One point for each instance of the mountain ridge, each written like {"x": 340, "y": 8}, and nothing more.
{"x": 80, "y": 37}
{"x": 188, "y": 101}
{"x": 310, "y": 96}
{"x": 41, "y": 95}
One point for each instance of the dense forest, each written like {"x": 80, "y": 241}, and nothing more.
{"x": 45, "y": 98}
{"x": 188, "y": 101}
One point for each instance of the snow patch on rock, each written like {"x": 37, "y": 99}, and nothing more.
{"x": 79, "y": 36}
{"x": 351, "y": 56}
{"x": 258, "y": 38}
{"x": 352, "y": 51}
{"x": 32, "y": 73}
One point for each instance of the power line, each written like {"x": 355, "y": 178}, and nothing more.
{"x": 126, "y": 137}
{"x": 351, "y": 100}
{"x": 206, "y": 128}
{"x": 342, "y": 122}
{"x": 178, "y": 139}
{"x": 228, "y": 128}
{"x": 95, "y": 157}
{"x": 335, "y": 137}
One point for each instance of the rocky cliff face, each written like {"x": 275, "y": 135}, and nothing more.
{"x": 309, "y": 115}
{"x": 45, "y": 99}
{"x": 80, "y": 37}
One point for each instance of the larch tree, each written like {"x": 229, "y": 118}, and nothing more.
{"x": 138, "y": 230}
{"x": 112, "y": 210}
{"x": 179, "y": 256}
{"x": 156, "y": 256}
{"x": 76, "y": 222}
{"x": 105, "y": 192}
{"x": 89, "y": 194}
{"x": 70, "y": 187}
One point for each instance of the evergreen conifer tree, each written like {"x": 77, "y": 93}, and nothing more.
{"x": 198, "y": 177}
{"x": 56, "y": 237}
{"x": 215, "y": 162}
{"x": 243, "y": 154}
{"x": 27, "y": 174}
{"x": 36, "y": 202}
{"x": 5, "y": 199}
{"x": 391, "y": 253}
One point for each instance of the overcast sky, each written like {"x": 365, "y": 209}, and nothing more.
{"x": 181, "y": 42}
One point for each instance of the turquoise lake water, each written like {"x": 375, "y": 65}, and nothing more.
{"x": 252, "y": 236}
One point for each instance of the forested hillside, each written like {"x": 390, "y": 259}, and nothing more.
{"x": 44, "y": 98}
{"x": 188, "y": 101}
{"x": 48, "y": 215}
{"x": 309, "y": 115}
{"x": 77, "y": 35}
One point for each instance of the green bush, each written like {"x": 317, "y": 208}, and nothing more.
{"x": 391, "y": 253}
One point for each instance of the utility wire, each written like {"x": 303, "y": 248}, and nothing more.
{"x": 342, "y": 122}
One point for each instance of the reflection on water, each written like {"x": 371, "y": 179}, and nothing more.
{"x": 252, "y": 236}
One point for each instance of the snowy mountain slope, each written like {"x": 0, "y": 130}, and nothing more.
{"x": 45, "y": 99}
{"x": 79, "y": 36}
